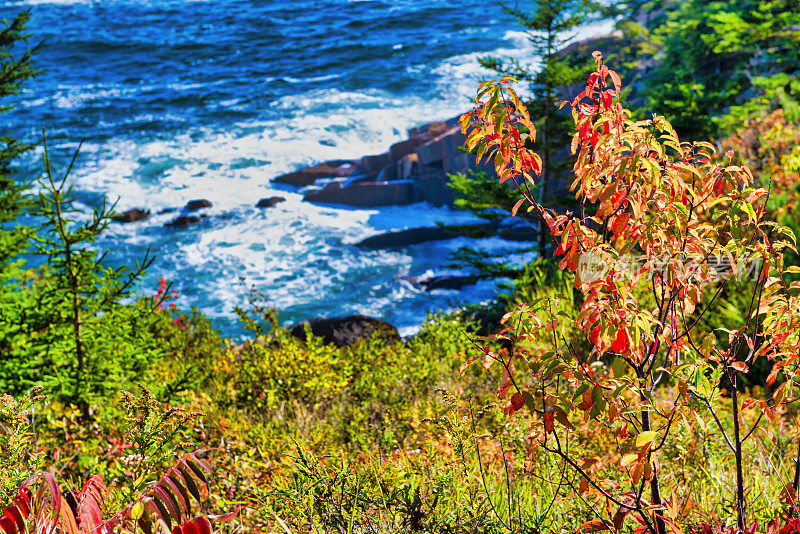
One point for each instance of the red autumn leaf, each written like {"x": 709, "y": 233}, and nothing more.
{"x": 616, "y": 80}
{"x": 620, "y": 224}
{"x": 623, "y": 431}
{"x": 7, "y": 524}
{"x": 549, "y": 423}
{"x": 621, "y": 342}
{"x": 749, "y": 404}
{"x": 594, "y": 337}
{"x": 607, "y": 100}
{"x": 516, "y": 207}
{"x": 587, "y": 401}
{"x": 517, "y": 401}
{"x": 583, "y": 487}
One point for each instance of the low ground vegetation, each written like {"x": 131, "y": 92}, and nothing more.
{"x": 667, "y": 406}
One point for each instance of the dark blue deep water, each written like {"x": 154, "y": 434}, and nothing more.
{"x": 182, "y": 99}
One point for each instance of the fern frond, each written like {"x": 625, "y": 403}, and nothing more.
{"x": 169, "y": 507}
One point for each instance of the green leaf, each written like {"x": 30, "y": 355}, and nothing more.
{"x": 618, "y": 366}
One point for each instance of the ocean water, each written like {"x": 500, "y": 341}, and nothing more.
{"x": 186, "y": 99}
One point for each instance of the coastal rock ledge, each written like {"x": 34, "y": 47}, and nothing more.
{"x": 413, "y": 170}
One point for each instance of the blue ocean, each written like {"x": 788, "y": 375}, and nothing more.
{"x": 193, "y": 99}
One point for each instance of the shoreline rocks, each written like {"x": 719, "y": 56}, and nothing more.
{"x": 448, "y": 282}
{"x": 184, "y": 221}
{"x": 413, "y": 236}
{"x": 365, "y": 194}
{"x": 339, "y": 168}
{"x": 414, "y": 170}
{"x": 194, "y": 205}
{"x": 130, "y": 216}
{"x": 345, "y": 331}
{"x": 269, "y": 202}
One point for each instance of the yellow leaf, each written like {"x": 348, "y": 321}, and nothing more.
{"x": 516, "y": 207}
{"x": 136, "y": 511}
{"x": 645, "y": 438}
{"x": 628, "y": 459}
{"x": 739, "y": 366}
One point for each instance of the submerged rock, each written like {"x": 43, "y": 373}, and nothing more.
{"x": 131, "y": 216}
{"x": 194, "y": 205}
{"x": 269, "y": 202}
{"x": 184, "y": 220}
{"x": 345, "y": 331}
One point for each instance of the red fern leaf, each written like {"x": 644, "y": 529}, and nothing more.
{"x": 178, "y": 493}
{"x": 90, "y": 502}
{"x": 46, "y": 504}
{"x": 23, "y": 501}
{"x": 198, "y": 466}
{"x": 7, "y": 524}
{"x": 167, "y": 499}
{"x": 188, "y": 481}
{"x": 13, "y": 512}
{"x": 17, "y": 512}
{"x": 160, "y": 513}
{"x": 170, "y": 499}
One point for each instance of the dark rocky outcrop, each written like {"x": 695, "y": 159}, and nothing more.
{"x": 345, "y": 331}
{"x": 269, "y": 202}
{"x": 365, "y": 194}
{"x": 404, "y": 148}
{"x": 185, "y": 220}
{"x": 167, "y": 210}
{"x": 131, "y": 216}
{"x": 412, "y": 236}
{"x": 448, "y": 282}
{"x": 194, "y": 205}
{"x": 442, "y": 156}
{"x": 338, "y": 168}
{"x": 518, "y": 232}
{"x": 405, "y": 168}
{"x": 422, "y": 162}
{"x": 372, "y": 165}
